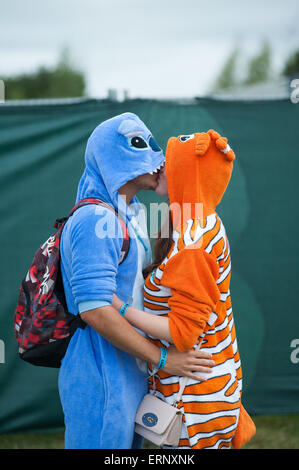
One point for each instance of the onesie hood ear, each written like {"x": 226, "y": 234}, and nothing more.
{"x": 198, "y": 170}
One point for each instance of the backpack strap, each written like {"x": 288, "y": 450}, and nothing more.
{"x": 84, "y": 202}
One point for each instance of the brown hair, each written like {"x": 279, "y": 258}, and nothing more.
{"x": 161, "y": 246}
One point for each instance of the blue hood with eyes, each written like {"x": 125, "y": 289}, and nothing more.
{"x": 118, "y": 150}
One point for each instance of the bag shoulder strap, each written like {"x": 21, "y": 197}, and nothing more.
{"x": 87, "y": 201}
{"x": 91, "y": 200}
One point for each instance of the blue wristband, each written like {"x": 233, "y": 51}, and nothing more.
{"x": 123, "y": 309}
{"x": 163, "y": 358}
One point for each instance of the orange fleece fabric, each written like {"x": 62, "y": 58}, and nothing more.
{"x": 198, "y": 170}
{"x": 245, "y": 430}
{"x": 191, "y": 275}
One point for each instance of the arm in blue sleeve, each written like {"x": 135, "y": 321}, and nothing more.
{"x": 96, "y": 241}
{"x": 91, "y": 305}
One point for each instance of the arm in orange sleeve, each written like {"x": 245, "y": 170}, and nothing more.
{"x": 191, "y": 275}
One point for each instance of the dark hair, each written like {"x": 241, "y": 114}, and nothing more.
{"x": 161, "y": 246}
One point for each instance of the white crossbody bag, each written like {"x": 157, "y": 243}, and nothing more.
{"x": 158, "y": 421}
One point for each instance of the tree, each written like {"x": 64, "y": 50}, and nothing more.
{"x": 259, "y": 66}
{"x": 292, "y": 65}
{"x": 227, "y": 75}
{"x": 62, "y": 81}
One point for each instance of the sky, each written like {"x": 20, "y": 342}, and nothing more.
{"x": 151, "y": 48}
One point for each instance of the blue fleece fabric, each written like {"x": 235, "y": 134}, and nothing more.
{"x": 101, "y": 386}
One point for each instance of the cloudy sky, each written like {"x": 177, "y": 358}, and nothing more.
{"x": 152, "y": 48}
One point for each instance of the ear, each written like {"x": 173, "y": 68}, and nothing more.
{"x": 202, "y": 142}
{"x": 222, "y": 145}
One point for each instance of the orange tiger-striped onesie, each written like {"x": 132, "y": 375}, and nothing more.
{"x": 192, "y": 287}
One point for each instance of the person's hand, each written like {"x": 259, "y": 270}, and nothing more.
{"x": 188, "y": 362}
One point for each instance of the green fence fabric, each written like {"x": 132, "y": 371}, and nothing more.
{"x": 42, "y": 158}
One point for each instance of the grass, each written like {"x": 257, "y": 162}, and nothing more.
{"x": 273, "y": 432}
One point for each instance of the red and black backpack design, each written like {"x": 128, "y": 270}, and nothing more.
{"x": 43, "y": 325}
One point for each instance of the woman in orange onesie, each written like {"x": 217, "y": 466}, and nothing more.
{"x": 188, "y": 292}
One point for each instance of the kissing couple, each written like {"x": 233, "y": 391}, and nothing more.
{"x": 151, "y": 320}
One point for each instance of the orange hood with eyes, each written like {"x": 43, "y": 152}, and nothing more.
{"x": 198, "y": 170}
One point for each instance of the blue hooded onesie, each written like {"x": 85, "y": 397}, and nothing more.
{"x": 101, "y": 386}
